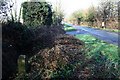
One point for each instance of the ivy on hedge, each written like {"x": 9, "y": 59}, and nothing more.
{"x": 37, "y": 13}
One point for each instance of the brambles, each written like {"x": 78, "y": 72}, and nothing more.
{"x": 19, "y": 39}
{"x": 58, "y": 61}
{"x": 68, "y": 59}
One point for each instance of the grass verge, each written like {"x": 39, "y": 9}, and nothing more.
{"x": 111, "y": 30}
{"x": 69, "y": 29}
{"x": 95, "y": 45}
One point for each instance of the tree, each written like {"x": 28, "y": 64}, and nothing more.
{"x": 58, "y": 14}
{"x": 36, "y": 13}
{"x": 91, "y": 16}
{"x": 5, "y": 10}
{"x": 77, "y": 17}
{"x": 106, "y": 11}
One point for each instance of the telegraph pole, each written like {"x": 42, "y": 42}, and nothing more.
{"x": 119, "y": 33}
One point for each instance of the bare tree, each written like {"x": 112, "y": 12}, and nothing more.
{"x": 58, "y": 13}
{"x": 106, "y": 11}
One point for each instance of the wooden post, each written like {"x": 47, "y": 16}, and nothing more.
{"x": 21, "y": 64}
{"x": 103, "y": 24}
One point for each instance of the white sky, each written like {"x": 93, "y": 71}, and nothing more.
{"x": 68, "y": 6}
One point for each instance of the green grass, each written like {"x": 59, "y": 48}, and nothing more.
{"x": 67, "y": 25}
{"x": 69, "y": 29}
{"x": 95, "y": 46}
{"x": 111, "y": 30}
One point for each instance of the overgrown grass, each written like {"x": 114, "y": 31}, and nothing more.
{"x": 95, "y": 45}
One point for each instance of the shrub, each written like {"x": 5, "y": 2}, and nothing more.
{"x": 66, "y": 59}
{"x": 15, "y": 41}
{"x": 37, "y": 13}
{"x": 58, "y": 61}
{"x": 17, "y": 34}
{"x": 19, "y": 39}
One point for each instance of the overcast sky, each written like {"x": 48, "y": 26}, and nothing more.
{"x": 68, "y": 6}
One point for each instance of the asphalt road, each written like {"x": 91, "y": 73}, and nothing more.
{"x": 110, "y": 37}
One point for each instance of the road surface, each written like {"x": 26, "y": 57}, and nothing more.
{"x": 110, "y": 37}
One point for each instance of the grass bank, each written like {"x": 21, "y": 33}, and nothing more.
{"x": 95, "y": 45}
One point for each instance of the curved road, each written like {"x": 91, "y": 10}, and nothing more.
{"x": 106, "y": 36}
